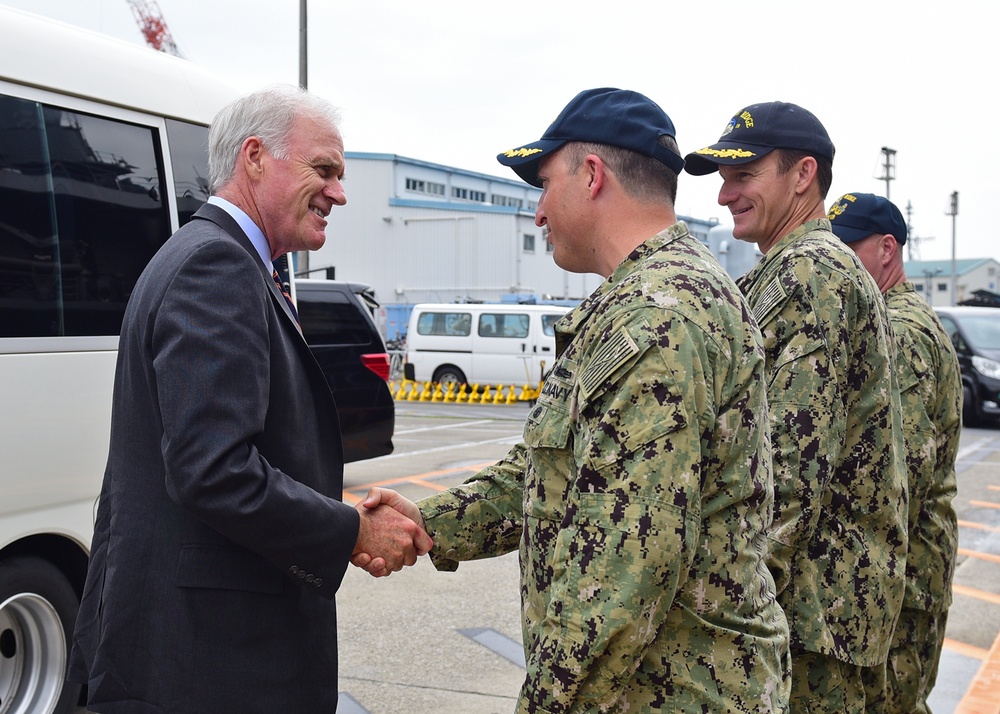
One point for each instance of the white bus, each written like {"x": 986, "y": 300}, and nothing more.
{"x": 103, "y": 147}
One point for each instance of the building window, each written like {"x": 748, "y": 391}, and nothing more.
{"x": 478, "y": 196}
{"x": 942, "y": 287}
{"x": 499, "y": 200}
{"x": 421, "y": 186}
{"x": 919, "y": 287}
{"x": 529, "y": 243}
{"x": 459, "y": 192}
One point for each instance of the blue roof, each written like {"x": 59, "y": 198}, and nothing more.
{"x": 921, "y": 268}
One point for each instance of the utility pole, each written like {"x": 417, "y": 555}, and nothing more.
{"x": 888, "y": 167}
{"x": 929, "y": 283}
{"x": 953, "y": 212}
{"x": 911, "y": 240}
{"x": 303, "y": 46}
{"x": 301, "y": 257}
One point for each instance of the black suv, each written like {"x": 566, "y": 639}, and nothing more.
{"x": 975, "y": 332}
{"x": 338, "y": 323}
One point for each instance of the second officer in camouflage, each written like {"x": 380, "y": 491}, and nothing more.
{"x": 837, "y": 546}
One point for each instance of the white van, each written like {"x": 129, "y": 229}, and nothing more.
{"x": 481, "y": 344}
{"x": 100, "y": 147}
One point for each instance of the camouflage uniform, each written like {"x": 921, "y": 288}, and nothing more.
{"x": 930, "y": 386}
{"x": 838, "y": 540}
{"x": 639, "y": 499}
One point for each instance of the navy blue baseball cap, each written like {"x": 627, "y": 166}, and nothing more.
{"x": 758, "y": 130}
{"x": 855, "y": 216}
{"x": 617, "y": 117}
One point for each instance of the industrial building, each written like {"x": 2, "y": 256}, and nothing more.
{"x": 416, "y": 231}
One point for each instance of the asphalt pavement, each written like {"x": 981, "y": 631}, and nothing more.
{"x": 450, "y": 643}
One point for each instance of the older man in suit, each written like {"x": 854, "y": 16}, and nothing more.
{"x": 221, "y": 539}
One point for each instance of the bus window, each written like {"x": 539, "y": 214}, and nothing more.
{"x": 189, "y": 157}
{"x": 83, "y": 212}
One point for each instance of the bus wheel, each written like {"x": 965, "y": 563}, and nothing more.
{"x": 38, "y": 610}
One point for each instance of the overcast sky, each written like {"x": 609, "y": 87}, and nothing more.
{"x": 458, "y": 82}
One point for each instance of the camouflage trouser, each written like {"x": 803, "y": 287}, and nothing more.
{"x": 823, "y": 684}
{"x": 913, "y": 660}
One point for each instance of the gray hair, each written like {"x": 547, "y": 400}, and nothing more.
{"x": 267, "y": 114}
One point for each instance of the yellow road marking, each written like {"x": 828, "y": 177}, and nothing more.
{"x": 983, "y": 695}
{"x": 967, "y": 650}
{"x": 979, "y": 556}
{"x": 978, "y": 594}
{"x": 980, "y": 526}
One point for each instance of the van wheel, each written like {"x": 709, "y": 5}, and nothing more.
{"x": 38, "y": 610}
{"x": 449, "y": 375}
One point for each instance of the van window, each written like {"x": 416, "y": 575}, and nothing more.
{"x": 503, "y": 325}
{"x": 549, "y": 324}
{"x": 83, "y": 212}
{"x": 450, "y": 324}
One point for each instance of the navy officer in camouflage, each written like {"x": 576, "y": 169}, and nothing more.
{"x": 837, "y": 545}
{"x": 930, "y": 387}
{"x": 642, "y": 490}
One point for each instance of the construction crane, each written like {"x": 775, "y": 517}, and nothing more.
{"x": 153, "y": 27}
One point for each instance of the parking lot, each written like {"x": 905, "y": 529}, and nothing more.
{"x": 450, "y": 642}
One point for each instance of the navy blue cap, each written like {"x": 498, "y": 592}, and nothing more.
{"x": 757, "y": 131}
{"x": 617, "y": 117}
{"x": 855, "y": 216}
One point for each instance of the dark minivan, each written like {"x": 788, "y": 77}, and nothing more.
{"x": 975, "y": 332}
{"x": 338, "y": 323}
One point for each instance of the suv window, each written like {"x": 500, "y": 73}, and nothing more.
{"x": 331, "y": 319}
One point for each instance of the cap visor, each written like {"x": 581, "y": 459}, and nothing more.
{"x": 849, "y": 234}
{"x": 705, "y": 161}
{"x": 525, "y": 159}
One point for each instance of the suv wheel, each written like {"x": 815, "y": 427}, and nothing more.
{"x": 970, "y": 414}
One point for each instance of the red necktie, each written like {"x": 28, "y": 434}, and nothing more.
{"x": 288, "y": 298}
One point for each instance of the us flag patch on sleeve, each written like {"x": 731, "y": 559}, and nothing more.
{"x": 773, "y": 295}
{"x": 619, "y": 348}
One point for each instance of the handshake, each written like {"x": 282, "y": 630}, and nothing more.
{"x": 391, "y": 533}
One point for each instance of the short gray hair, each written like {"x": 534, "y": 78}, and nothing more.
{"x": 267, "y": 114}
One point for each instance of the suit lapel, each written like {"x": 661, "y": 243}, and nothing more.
{"x": 219, "y": 217}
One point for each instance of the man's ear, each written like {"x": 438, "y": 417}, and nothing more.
{"x": 887, "y": 248}
{"x": 593, "y": 166}
{"x": 252, "y": 156}
{"x": 806, "y": 173}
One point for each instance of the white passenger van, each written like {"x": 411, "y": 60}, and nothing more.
{"x": 484, "y": 344}
{"x": 103, "y": 145}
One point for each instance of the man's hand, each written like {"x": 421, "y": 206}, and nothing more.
{"x": 391, "y": 534}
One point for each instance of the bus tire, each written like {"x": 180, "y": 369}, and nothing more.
{"x": 38, "y": 608}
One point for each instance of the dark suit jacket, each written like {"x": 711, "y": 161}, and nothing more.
{"x": 220, "y": 538}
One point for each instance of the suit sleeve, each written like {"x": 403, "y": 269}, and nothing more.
{"x": 212, "y": 346}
